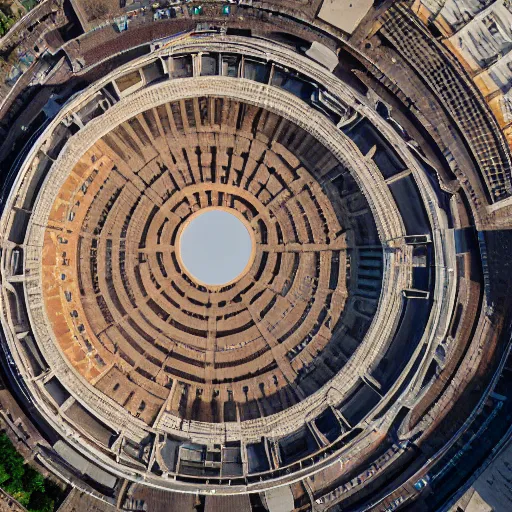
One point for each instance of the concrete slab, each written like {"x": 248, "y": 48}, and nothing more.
{"x": 344, "y": 14}
{"x": 280, "y": 499}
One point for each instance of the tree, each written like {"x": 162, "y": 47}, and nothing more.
{"x": 23, "y": 482}
{"x": 4, "y": 475}
{"x": 40, "y": 502}
{"x": 32, "y": 480}
{"x": 12, "y": 463}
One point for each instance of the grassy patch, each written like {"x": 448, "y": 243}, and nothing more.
{"x": 29, "y": 4}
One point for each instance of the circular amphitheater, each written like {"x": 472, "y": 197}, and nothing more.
{"x": 139, "y": 345}
{"x": 331, "y": 345}
{"x": 129, "y": 304}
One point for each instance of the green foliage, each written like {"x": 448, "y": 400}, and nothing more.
{"x": 40, "y": 502}
{"x": 3, "y": 475}
{"x": 22, "y": 496}
{"x": 6, "y": 22}
{"x": 29, "y": 4}
{"x": 32, "y": 480}
{"x": 23, "y": 482}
